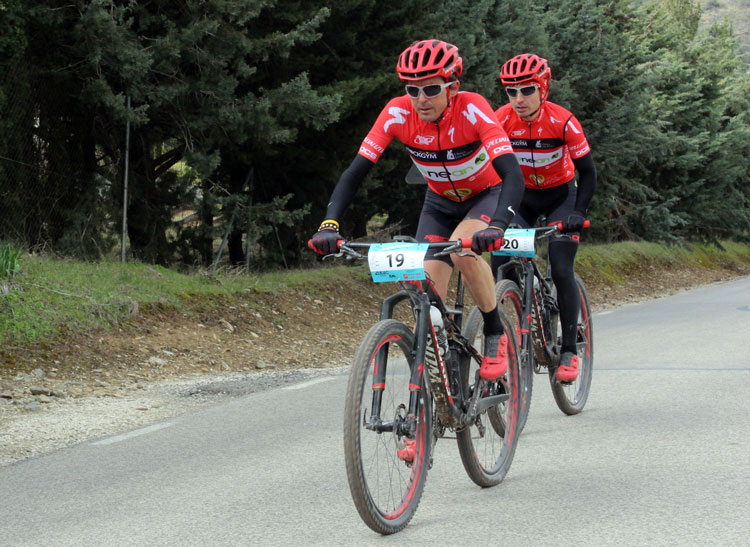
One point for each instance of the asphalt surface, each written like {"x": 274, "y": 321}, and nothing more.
{"x": 660, "y": 456}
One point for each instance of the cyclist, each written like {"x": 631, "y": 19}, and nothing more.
{"x": 550, "y": 145}
{"x": 457, "y": 144}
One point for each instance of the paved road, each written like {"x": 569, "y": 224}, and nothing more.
{"x": 660, "y": 456}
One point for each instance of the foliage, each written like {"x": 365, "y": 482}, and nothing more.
{"x": 245, "y": 113}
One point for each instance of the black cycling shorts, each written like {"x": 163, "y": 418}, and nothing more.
{"x": 554, "y": 203}
{"x": 440, "y": 216}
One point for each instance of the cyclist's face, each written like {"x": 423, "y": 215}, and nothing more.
{"x": 430, "y": 110}
{"x": 524, "y": 106}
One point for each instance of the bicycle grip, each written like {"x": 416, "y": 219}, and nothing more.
{"x": 465, "y": 242}
{"x": 586, "y": 224}
{"x": 312, "y": 247}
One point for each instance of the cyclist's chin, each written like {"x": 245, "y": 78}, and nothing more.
{"x": 428, "y": 115}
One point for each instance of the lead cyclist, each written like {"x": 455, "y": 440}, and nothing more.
{"x": 456, "y": 142}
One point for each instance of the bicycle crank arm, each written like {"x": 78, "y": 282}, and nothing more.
{"x": 487, "y": 402}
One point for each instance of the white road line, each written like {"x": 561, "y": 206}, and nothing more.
{"x": 131, "y": 434}
{"x": 599, "y": 314}
{"x": 303, "y": 385}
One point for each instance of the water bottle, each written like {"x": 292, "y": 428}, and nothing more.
{"x": 437, "y": 323}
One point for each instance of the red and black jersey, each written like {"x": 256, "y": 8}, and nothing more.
{"x": 455, "y": 154}
{"x": 545, "y": 147}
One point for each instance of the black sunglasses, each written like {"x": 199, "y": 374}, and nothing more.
{"x": 526, "y": 91}
{"x": 430, "y": 91}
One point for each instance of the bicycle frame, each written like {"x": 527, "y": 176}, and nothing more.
{"x": 534, "y": 306}
{"x": 453, "y": 408}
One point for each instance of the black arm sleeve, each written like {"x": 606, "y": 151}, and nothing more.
{"x": 507, "y": 167}
{"x": 586, "y": 182}
{"x": 347, "y": 186}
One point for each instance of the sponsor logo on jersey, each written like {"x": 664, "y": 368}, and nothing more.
{"x": 472, "y": 112}
{"x": 495, "y": 142}
{"x": 573, "y": 127}
{"x": 368, "y": 153}
{"x": 502, "y": 149}
{"x": 459, "y": 193}
{"x": 518, "y": 133}
{"x": 451, "y": 132}
{"x": 374, "y": 145}
{"x": 538, "y": 159}
{"x": 450, "y": 155}
{"x": 423, "y": 154}
{"x": 471, "y": 167}
{"x": 537, "y": 179}
{"x": 554, "y": 120}
{"x": 398, "y": 117}
{"x": 420, "y": 139}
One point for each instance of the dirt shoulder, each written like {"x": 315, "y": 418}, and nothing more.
{"x": 159, "y": 363}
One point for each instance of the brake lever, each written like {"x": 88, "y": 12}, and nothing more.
{"x": 347, "y": 252}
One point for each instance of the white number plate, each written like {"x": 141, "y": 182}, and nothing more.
{"x": 518, "y": 242}
{"x": 397, "y": 261}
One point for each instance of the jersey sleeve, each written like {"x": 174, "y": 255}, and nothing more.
{"x": 480, "y": 115}
{"x": 575, "y": 139}
{"x": 383, "y": 130}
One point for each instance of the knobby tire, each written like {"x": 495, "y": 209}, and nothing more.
{"x": 509, "y": 296}
{"x": 571, "y": 398}
{"x": 385, "y": 489}
{"x": 488, "y": 444}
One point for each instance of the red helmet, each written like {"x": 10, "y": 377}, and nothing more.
{"x": 527, "y": 68}
{"x": 429, "y": 58}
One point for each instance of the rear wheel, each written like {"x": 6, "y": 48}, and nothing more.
{"x": 488, "y": 443}
{"x": 571, "y": 398}
{"x": 386, "y": 489}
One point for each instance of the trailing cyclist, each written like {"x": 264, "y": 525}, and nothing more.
{"x": 550, "y": 146}
{"x": 456, "y": 142}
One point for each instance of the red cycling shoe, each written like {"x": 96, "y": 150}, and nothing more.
{"x": 567, "y": 368}
{"x": 495, "y": 360}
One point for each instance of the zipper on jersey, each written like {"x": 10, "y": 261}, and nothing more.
{"x": 533, "y": 162}
{"x": 447, "y": 172}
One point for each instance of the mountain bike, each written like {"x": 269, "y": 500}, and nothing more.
{"x": 530, "y": 299}
{"x": 411, "y": 383}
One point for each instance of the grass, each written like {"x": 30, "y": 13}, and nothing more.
{"x": 613, "y": 262}
{"x": 9, "y": 257}
{"x": 48, "y": 296}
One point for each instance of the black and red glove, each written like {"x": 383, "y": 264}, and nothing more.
{"x": 326, "y": 240}
{"x": 489, "y": 239}
{"x": 573, "y": 222}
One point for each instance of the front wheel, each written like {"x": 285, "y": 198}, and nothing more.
{"x": 488, "y": 443}
{"x": 571, "y": 398}
{"x": 386, "y": 489}
{"x": 509, "y": 296}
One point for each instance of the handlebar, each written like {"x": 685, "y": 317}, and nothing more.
{"x": 586, "y": 224}
{"x": 347, "y": 248}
